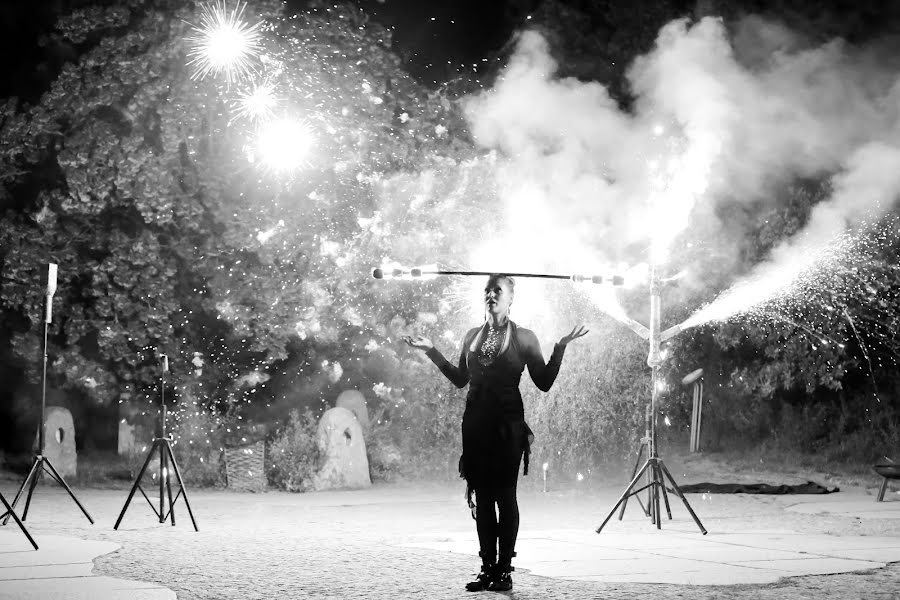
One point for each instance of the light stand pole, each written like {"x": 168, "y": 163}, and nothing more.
{"x": 162, "y": 446}
{"x": 655, "y": 469}
{"x": 41, "y": 463}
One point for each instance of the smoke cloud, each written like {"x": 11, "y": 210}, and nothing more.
{"x": 718, "y": 118}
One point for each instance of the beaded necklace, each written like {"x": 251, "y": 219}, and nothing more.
{"x": 493, "y": 341}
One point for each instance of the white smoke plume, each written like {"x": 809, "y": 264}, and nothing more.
{"x": 717, "y": 118}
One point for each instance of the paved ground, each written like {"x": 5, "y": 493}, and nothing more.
{"x": 410, "y": 542}
{"x": 62, "y": 568}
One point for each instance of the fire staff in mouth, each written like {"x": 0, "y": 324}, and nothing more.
{"x": 494, "y": 433}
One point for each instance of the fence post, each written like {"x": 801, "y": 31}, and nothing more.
{"x": 697, "y": 416}
{"x": 695, "y": 378}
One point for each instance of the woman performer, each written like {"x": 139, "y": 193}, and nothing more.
{"x": 494, "y": 433}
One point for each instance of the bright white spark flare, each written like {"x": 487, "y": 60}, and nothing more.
{"x": 284, "y": 144}
{"x": 223, "y": 43}
{"x": 679, "y": 182}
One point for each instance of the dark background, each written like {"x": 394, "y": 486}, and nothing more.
{"x": 441, "y": 39}
{"x": 434, "y": 38}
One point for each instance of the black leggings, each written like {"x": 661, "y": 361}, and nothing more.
{"x": 494, "y": 532}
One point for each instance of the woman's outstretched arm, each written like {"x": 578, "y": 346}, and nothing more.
{"x": 457, "y": 374}
{"x": 544, "y": 374}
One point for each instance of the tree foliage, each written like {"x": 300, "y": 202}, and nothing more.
{"x": 141, "y": 183}
{"x": 132, "y": 177}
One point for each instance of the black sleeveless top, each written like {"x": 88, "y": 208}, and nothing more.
{"x": 494, "y": 432}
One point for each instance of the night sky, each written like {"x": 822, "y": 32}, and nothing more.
{"x": 435, "y": 38}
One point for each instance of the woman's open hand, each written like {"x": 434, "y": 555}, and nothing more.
{"x": 576, "y": 333}
{"x": 418, "y": 342}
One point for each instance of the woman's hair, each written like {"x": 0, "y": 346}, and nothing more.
{"x": 508, "y": 278}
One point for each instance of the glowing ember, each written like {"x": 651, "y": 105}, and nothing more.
{"x": 223, "y": 43}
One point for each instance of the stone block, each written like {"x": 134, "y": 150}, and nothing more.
{"x": 342, "y": 450}
{"x": 354, "y": 401}
{"x": 128, "y": 444}
{"x": 136, "y": 431}
{"x": 59, "y": 440}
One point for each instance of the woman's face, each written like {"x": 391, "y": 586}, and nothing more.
{"x": 497, "y": 296}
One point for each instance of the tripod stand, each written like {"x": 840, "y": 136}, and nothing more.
{"x": 644, "y": 443}
{"x": 161, "y": 445}
{"x": 654, "y": 468}
{"x": 41, "y": 463}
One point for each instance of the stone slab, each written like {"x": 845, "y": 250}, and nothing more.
{"x": 87, "y": 588}
{"x": 62, "y": 568}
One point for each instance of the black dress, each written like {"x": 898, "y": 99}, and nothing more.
{"x": 494, "y": 433}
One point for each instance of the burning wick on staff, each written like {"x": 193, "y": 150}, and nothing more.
{"x": 419, "y": 272}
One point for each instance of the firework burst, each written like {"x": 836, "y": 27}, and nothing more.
{"x": 223, "y": 43}
{"x": 258, "y": 104}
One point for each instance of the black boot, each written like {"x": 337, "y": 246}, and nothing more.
{"x": 502, "y": 579}
{"x": 483, "y": 579}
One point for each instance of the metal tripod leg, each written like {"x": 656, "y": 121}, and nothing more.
{"x": 659, "y": 490}
{"x": 41, "y": 464}
{"x": 658, "y": 474}
{"x": 662, "y": 488}
{"x": 625, "y": 495}
{"x": 637, "y": 464}
{"x": 183, "y": 491}
{"x": 137, "y": 483}
{"x": 168, "y": 465}
{"x": 63, "y": 483}
{"x": 11, "y": 513}
{"x": 163, "y": 476}
{"x": 168, "y": 477}
{"x": 677, "y": 491}
{"x": 28, "y": 482}
{"x": 654, "y": 491}
{"x": 35, "y": 475}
